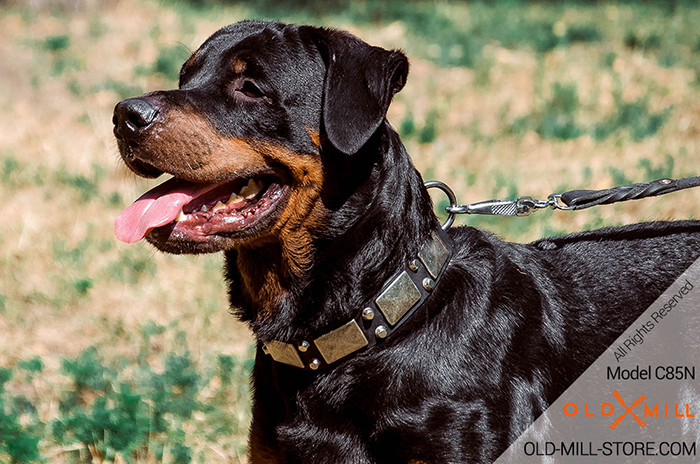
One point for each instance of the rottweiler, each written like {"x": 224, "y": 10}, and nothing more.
{"x": 380, "y": 337}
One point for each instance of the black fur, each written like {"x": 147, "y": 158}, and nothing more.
{"x": 509, "y": 327}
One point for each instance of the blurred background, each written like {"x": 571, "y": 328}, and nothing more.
{"x": 115, "y": 353}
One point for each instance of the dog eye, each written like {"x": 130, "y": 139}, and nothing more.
{"x": 250, "y": 90}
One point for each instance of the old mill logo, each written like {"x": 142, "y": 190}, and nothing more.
{"x": 648, "y": 411}
{"x": 628, "y": 410}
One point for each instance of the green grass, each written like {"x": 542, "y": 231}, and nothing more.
{"x": 635, "y": 117}
{"x": 56, "y": 43}
{"x": 16, "y": 174}
{"x": 137, "y": 410}
{"x": 20, "y": 428}
{"x": 169, "y": 61}
{"x": 558, "y": 118}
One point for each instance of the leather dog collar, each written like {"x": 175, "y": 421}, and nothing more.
{"x": 400, "y": 298}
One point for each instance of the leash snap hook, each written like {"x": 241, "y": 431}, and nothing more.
{"x": 554, "y": 200}
{"x": 450, "y": 196}
{"x": 524, "y": 205}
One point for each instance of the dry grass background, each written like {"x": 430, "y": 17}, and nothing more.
{"x": 66, "y": 283}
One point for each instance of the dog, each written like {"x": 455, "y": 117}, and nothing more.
{"x": 381, "y": 338}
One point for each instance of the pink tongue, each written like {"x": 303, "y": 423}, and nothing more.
{"x": 155, "y": 208}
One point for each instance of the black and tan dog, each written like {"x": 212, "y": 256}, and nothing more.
{"x": 380, "y": 338}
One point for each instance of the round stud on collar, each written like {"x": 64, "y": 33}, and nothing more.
{"x": 380, "y": 332}
{"x": 303, "y": 346}
{"x": 428, "y": 284}
{"x": 367, "y": 314}
{"x": 413, "y": 265}
{"x": 314, "y": 364}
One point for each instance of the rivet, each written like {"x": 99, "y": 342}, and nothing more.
{"x": 413, "y": 265}
{"x": 665, "y": 181}
{"x": 303, "y": 346}
{"x": 314, "y": 364}
{"x": 428, "y": 284}
{"x": 265, "y": 350}
{"x": 367, "y": 314}
{"x": 380, "y": 332}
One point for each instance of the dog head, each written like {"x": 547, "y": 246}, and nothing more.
{"x": 260, "y": 109}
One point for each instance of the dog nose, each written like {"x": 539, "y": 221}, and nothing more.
{"x": 131, "y": 116}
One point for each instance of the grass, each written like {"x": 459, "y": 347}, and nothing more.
{"x": 115, "y": 353}
{"x": 126, "y": 409}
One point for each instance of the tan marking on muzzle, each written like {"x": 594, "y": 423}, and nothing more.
{"x": 189, "y": 147}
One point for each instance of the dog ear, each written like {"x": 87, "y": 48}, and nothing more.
{"x": 360, "y": 82}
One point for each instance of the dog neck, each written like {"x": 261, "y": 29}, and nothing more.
{"x": 376, "y": 220}
{"x": 402, "y": 296}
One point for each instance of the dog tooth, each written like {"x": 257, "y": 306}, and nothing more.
{"x": 234, "y": 199}
{"x": 218, "y": 206}
{"x": 244, "y": 187}
{"x": 181, "y": 216}
{"x": 251, "y": 189}
{"x": 204, "y": 209}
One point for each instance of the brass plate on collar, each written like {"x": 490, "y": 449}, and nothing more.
{"x": 341, "y": 342}
{"x": 434, "y": 255}
{"x": 284, "y": 353}
{"x": 396, "y": 300}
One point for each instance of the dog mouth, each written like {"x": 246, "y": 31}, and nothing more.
{"x": 187, "y": 211}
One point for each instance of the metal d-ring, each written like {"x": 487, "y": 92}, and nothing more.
{"x": 450, "y": 196}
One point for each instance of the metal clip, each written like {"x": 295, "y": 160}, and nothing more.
{"x": 526, "y": 204}
{"x": 522, "y": 206}
{"x": 556, "y": 202}
{"x": 491, "y": 207}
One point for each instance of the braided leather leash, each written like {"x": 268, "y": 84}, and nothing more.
{"x": 571, "y": 200}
